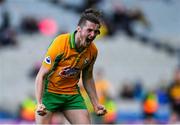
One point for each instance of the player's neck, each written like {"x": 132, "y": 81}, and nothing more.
{"x": 79, "y": 47}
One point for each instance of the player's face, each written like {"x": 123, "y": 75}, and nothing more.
{"x": 88, "y": 33}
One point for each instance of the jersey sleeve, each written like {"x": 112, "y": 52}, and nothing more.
{"x": 53, "y": 51}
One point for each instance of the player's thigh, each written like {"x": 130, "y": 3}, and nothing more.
{"x": 46, "y": 119}
{"x": 77, "y": 116}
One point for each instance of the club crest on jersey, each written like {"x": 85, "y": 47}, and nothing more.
{"x": 47, "y": 60}
{"x": 86, "y": 61}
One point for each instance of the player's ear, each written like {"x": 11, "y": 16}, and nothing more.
{"x": 78, "y": 28}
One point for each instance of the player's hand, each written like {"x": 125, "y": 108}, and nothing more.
{"x": 100, "y": 110}
{"x": 41, "y": 109}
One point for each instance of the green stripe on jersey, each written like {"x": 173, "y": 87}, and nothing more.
{"x": 72, "y": 40}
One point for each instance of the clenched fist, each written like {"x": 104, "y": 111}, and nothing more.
{"x": 100, "y": 110}
{"x": 41, "y": 109}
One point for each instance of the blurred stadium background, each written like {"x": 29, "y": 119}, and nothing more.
{"x": 139, "y": 46}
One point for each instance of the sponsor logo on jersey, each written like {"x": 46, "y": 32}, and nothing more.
{"x": 47, "y": 60}
{"x": 68, "y": 72}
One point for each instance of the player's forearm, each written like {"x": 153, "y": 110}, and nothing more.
{"x": 39, "y": 89}
{"x": 91, "y": 91}
{"x": 39, "y": 84}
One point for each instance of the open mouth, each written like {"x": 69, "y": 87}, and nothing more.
{"x": 89, "y": 40}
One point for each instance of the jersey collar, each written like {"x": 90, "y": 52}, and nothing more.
{"x": 72, "y": 40}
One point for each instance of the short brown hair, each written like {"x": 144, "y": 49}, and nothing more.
{"x": 91, "y": 15}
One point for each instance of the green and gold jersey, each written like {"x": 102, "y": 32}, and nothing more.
{"x": 66, "y": 63}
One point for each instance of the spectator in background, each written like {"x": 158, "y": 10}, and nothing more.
{"x": 150, "y": 107}
{"x": 8, "y": 37}
{"x": 127, "y": 91}
{"x": 29, "y": 25}
{"x": 162, "y": 93}
{"x": 174, "y": 96}
{"x": 84, "y": 4}
{"x": 139, "y": 90}
{"x": 7, "y": 34}
{"x": 89, "y": 4}
{"x": 5, "y": 19}
{"x": 27, "y": 109}
{"x": 124, "y": 19}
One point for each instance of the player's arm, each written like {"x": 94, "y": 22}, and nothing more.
{"x": 39, "y": 87}
{"x": 89, "y": 85}
{"x": 47, "y": 65}
{"x": 39, "y": 84}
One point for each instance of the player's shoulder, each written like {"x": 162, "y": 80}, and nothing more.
{"x": 63, "y": 36}
{"x": 93, "y": 48}
{"x": 61, "y": 39}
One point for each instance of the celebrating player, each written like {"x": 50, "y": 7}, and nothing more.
{"x": 69, "y": 56}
